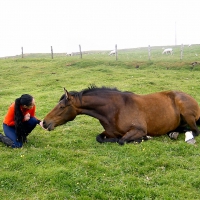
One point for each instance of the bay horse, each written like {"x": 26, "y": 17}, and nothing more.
{"x": 126, "y": 116}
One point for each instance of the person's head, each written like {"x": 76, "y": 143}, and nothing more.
{"x": 26, "y": 101}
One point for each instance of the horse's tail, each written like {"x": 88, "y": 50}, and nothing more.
{"x": 198, "y": 120}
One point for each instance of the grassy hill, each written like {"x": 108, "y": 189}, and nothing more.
{"x": 68, "y": 163}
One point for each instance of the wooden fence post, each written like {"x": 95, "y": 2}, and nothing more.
{"x": 149, "y": 50}
{"x": 51, "y": 52}
{"x": 80, "y": 50}
{"x": 22, "y": 52}
{"x": 116, "y": 52}
{"x": 181, "y": 51}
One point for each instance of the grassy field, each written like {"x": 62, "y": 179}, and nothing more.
{"x": 68, "y": 163}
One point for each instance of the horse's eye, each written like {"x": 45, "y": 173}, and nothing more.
{"x": 61, "y": 106}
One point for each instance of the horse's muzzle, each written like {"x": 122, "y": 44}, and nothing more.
{"x": 48, "y": 126}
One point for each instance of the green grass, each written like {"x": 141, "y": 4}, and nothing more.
{"x": 68, "y": 163}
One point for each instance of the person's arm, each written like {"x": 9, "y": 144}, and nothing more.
{"x": 32, "y": 113}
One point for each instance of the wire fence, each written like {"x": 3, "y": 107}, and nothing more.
{"x": 114, "y": 52}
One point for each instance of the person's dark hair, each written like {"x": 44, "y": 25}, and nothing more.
{"x": 26, "y": 100}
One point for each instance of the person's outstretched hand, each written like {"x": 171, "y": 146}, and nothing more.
{"x": 41, "y": 124}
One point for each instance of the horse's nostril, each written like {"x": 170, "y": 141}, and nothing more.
{"x": 44, "y": 124}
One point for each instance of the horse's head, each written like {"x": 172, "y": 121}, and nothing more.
{"x": 63, "y": 112}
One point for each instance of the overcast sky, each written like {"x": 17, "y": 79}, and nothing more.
{"x": 36, "y": 25}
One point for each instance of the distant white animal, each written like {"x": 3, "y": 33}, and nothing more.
{"x": 168, "y": 51}
{"x": 112, "y": 53}
{"x": 69, "y": 54}
{"x": 194, "y": 63}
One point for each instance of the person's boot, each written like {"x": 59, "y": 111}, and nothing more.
{"x": 1, "y": 136}
{"x": 7, "y": 141}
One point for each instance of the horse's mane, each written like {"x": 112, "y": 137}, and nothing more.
{"x": 90, "y": 91}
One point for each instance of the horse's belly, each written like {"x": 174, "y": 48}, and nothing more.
{"x": 162, "y": 122}
{"x": 158, "y": 119}
{"x": 162, "y": 126}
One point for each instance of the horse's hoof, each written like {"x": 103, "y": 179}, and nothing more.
{"x": 173, "y": 135}
{"x": 121, "y": 142}
{"x": 191, "y": 141}
{"x": 138, "y": 140}
{"x": 147, "y": 137}
{"x": 99, "y": 139}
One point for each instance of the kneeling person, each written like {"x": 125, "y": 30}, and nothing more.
{"x": 19, "y": 121}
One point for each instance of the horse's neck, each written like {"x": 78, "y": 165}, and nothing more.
{"x": 92, "y": 106}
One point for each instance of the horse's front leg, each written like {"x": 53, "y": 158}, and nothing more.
{"x": 133, "y": 135}
{"x": 101, "y": 138}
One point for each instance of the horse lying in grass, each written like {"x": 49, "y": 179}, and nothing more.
{"x": 125, "y": 116}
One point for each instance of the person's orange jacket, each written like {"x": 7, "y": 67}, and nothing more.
{"x": 10, "y": 116}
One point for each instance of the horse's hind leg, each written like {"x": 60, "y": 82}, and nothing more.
{"x": 195, "y": 130}
{"x": 192, "y": 124}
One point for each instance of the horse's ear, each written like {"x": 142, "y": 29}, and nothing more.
{"x": 66, "y": 94}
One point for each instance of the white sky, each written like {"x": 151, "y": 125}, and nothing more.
{"x": 95, "y": 24}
